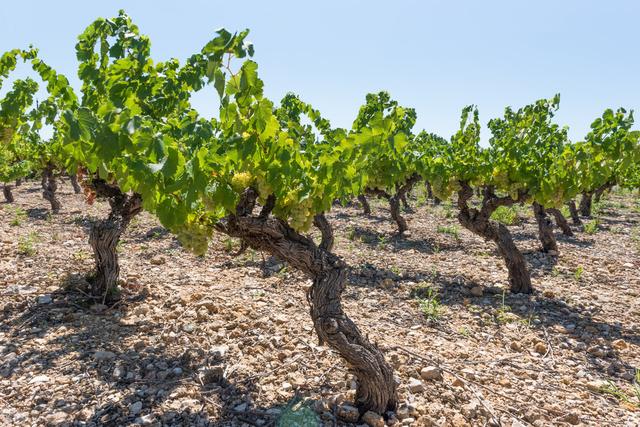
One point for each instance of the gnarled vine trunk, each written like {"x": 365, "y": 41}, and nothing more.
{"x": 18, "y": 182}
{"x": 478, "y": 221}
{"x": 585, "y": 203}
{"x": 573, "y": 210}
{"x": 49, "y": 188}
{"x": 394, "y": 207}
{"x": 74, "y": 183}
{"x": 105, "y": 235}
{"x": 321, "y": 223}
{"x": 545, "y": 228}
{"x": 376, "y": 390}
{"x": 394, "y": 200}
{"x": 436, "y": 201}
{"x": 597, "y": 195}
{"x": 366, "y": 208}
{"x": 561, "y": 221}
{"x": 8, "y": 195}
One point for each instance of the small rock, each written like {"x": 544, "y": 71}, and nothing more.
{"x": 45, "y": 299}
{"x": 286, "y": 386}
{"x": 516, "y": 346}
{"x": 619, "y": 344}
{"x": 549, "y": 294}
{"x": 57, "y": 418}
{"x": 146, "y": 420}
{"x": 104, "y": 355}
{"x": 98, "y": 308}
{"x": 118, "y": 372}
{"x": 158, "y": 260}
{"x": 459, "y": 421}
{"x": 596, "y": 385}
{"x": 188, "y": 327}
{"x": 477, "y": 291}
{"x": 372, "y": 419}
{"x": 571, "y": 418}
{"x": 540, "y": 348}
{"x": 39, "y": 379}
{"x": 135, "y": 408}
{"x": 219, "y": 351}
{"x": 415, "y": 386}
{"x": 348, "y": 413}
{"x": 240, "y": 408}
{"x": 431, "y": 373}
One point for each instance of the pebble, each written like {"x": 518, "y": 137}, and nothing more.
{"x": 372, "y": 419}
{"x": 540, "y": 348}
{"x": 477, "y": 291}
{"x": 416, "y": 386}
{"x": 45, "y": 299}
{"x": 431, "y": 373}
{"x": 39, "y": 379}
{"x": 348, "y": 413}
{"x": 104, "y": 355}
{"x": 619, "y": 344}
{"x": 135, "y": 408}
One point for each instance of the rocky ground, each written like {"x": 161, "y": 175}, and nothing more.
{"x": 229, "y": 341}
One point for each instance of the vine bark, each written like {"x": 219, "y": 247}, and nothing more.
{"x": 376, "y": 387}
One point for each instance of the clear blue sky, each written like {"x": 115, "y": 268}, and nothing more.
{"x": 436, "y": 56}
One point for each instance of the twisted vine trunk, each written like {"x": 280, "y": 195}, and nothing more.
{"x": 573, "y": 210}
{"x": 18, "y": 182}
{"x": 376, "y": 390}
{"x": 8, "y": 195}
{"x": 585, "y": 203}
{"x": 561, "y": 221}
{"x": 74, "y": 183}
{"x": 545, "y": 228}
{"x": 405, "y": 202}
{"x": 321, "y": 223}
{"x": 394, "y": 206}
{"x": 366, "y": 208}
{"x": 49, "y": 188}
{"x": 478, "y": 221}
{"x": 105, "y": 235}
{"x": 436, "y": 201}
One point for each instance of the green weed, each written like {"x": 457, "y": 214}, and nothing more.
{"x": 26, "y": 244}
{"x": 591, "y": 227}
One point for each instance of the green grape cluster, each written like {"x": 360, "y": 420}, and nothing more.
{"x": 194, "y": 237}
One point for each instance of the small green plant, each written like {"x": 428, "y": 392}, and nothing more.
{"x": 503, "y": 314}
{"x": 382, "y": 241}
{"x": 81, "y": 255}
{"x": 507, "y": 215}
{"x": 616, "y": 391}
{"x": 464, "y": 331}
{"x": 19, "y": 216}
{"x": 429, "y": 304}
{"x": 451, "y": 230}
{"x": 578, "y": 273}
{"x": 447, "y": 209}
{"x": 26, "y": 244}
{"x": 351, "y": 234}
{"x": 591, "y": 227}
{"x": 228, "y": 244}
{"x": 395, "y": 270}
